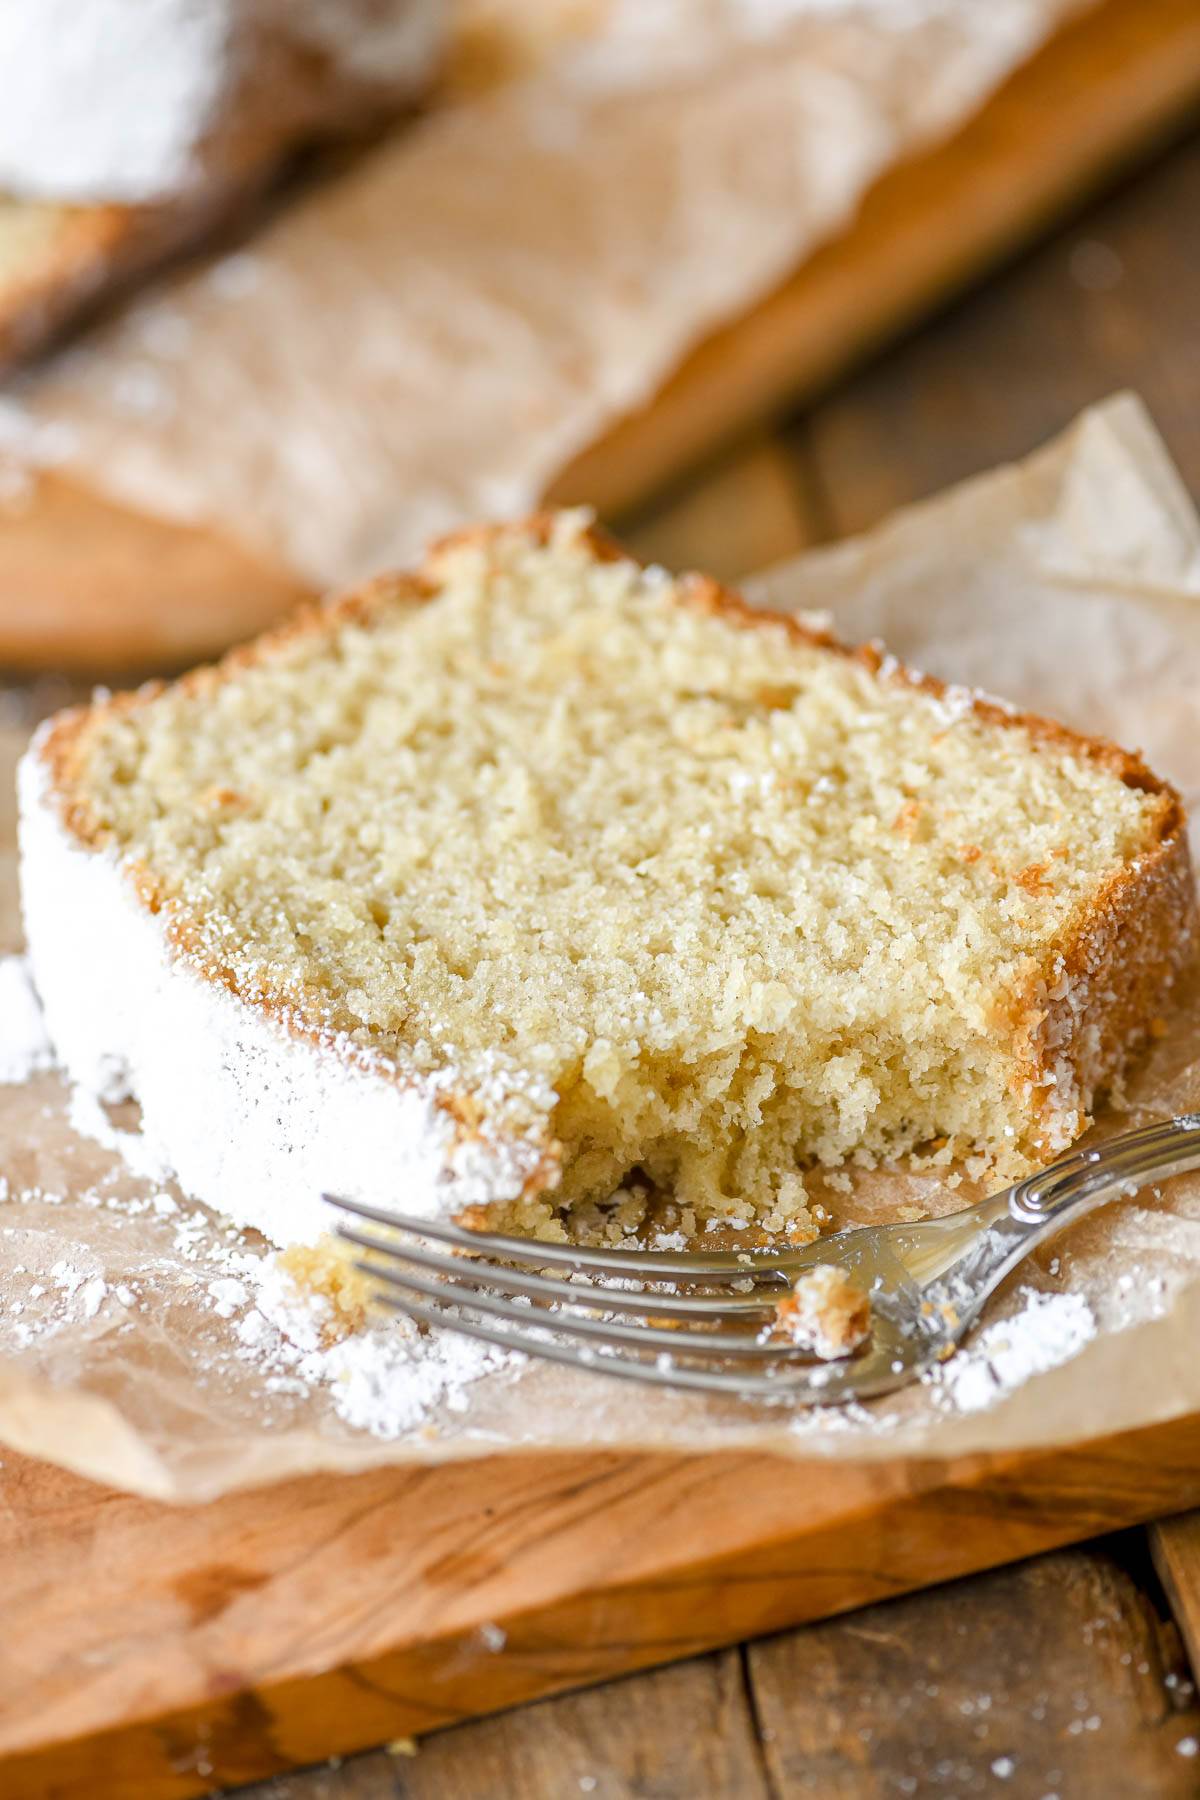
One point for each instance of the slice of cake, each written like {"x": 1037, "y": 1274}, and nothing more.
{"x": 120, "y": 101}
{"x": 53, "y": 258}
{"x": 825, "y": 1312}
{"x": 479, "y": 889}
{"x": 128, "y": 131}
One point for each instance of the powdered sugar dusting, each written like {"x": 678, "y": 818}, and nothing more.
{"x": 25, "y": 1047}
{"x": 386, "y": 1380}
{"x": 1048, "y": 1330}
{"x": 300, "y": 1118}
{"x": 252, "y": 1321}
{"x": 88, "y": 1117}
{"x": 105, "y": 100}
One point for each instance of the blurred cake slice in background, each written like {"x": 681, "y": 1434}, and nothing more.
{"x": 128, "y": 128}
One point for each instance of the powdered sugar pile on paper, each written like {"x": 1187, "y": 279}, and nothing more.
{"x": 1047, "y": 1330}
{"x": 386, "y": 1380}
{"x": 259, "y": 1330}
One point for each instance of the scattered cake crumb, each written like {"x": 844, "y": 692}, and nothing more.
{"x": 826, "y": 1312}
{"x": 327, "y": 1269}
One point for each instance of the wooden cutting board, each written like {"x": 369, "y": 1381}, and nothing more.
{"x": 150, "y": 1652}
{"x": 92, "y": 586}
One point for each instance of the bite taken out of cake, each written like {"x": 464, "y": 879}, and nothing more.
{"x": 477, "y": 890}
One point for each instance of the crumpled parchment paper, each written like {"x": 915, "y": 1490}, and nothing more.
{"x": 1070, "y": 582}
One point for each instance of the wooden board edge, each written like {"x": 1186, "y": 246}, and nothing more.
{"x": 89, "y": 584}
{"x": 953, "y": 1520}
{"x": 1175, "y": 1549}
{"x": 1109, "y": 86}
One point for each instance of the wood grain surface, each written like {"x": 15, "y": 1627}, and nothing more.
{"x": 151, "y": 1652}
{"x": 86, "y": 584}
{"x": 91, "y": 585}
{"x": 1027, "y": 1682}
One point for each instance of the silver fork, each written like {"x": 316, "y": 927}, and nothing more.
{"x": 621, "y": 1312}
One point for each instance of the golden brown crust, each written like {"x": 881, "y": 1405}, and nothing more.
{"x": 86, "y": 253}
{"x": 1118, "y": 968}
{"x": 66, "y": 263}
{"x": 1074, "y": 1029}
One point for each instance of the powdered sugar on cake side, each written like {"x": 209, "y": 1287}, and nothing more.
{"x": 532, "y": 867}
{"x": 252, "y": 1119}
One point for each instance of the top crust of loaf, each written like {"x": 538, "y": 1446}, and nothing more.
{"x": 52, "y": 260}
{"x": 219, "y": 89}
{"x": 65, "y": 745}
{"x": 1072, "y": 1037}
{"x": 59, "y": 260}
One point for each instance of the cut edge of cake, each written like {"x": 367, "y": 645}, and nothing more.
{"x": 301, "y": 1113}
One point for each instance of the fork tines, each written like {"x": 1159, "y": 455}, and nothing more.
{"x": 616, "y": 1312}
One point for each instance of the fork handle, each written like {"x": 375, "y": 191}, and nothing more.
{"x": 1087, "y": 1178}
{"x": 1014, "y": 1223}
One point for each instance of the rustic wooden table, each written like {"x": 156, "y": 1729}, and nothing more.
{"x": 1071, "y": 1675}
